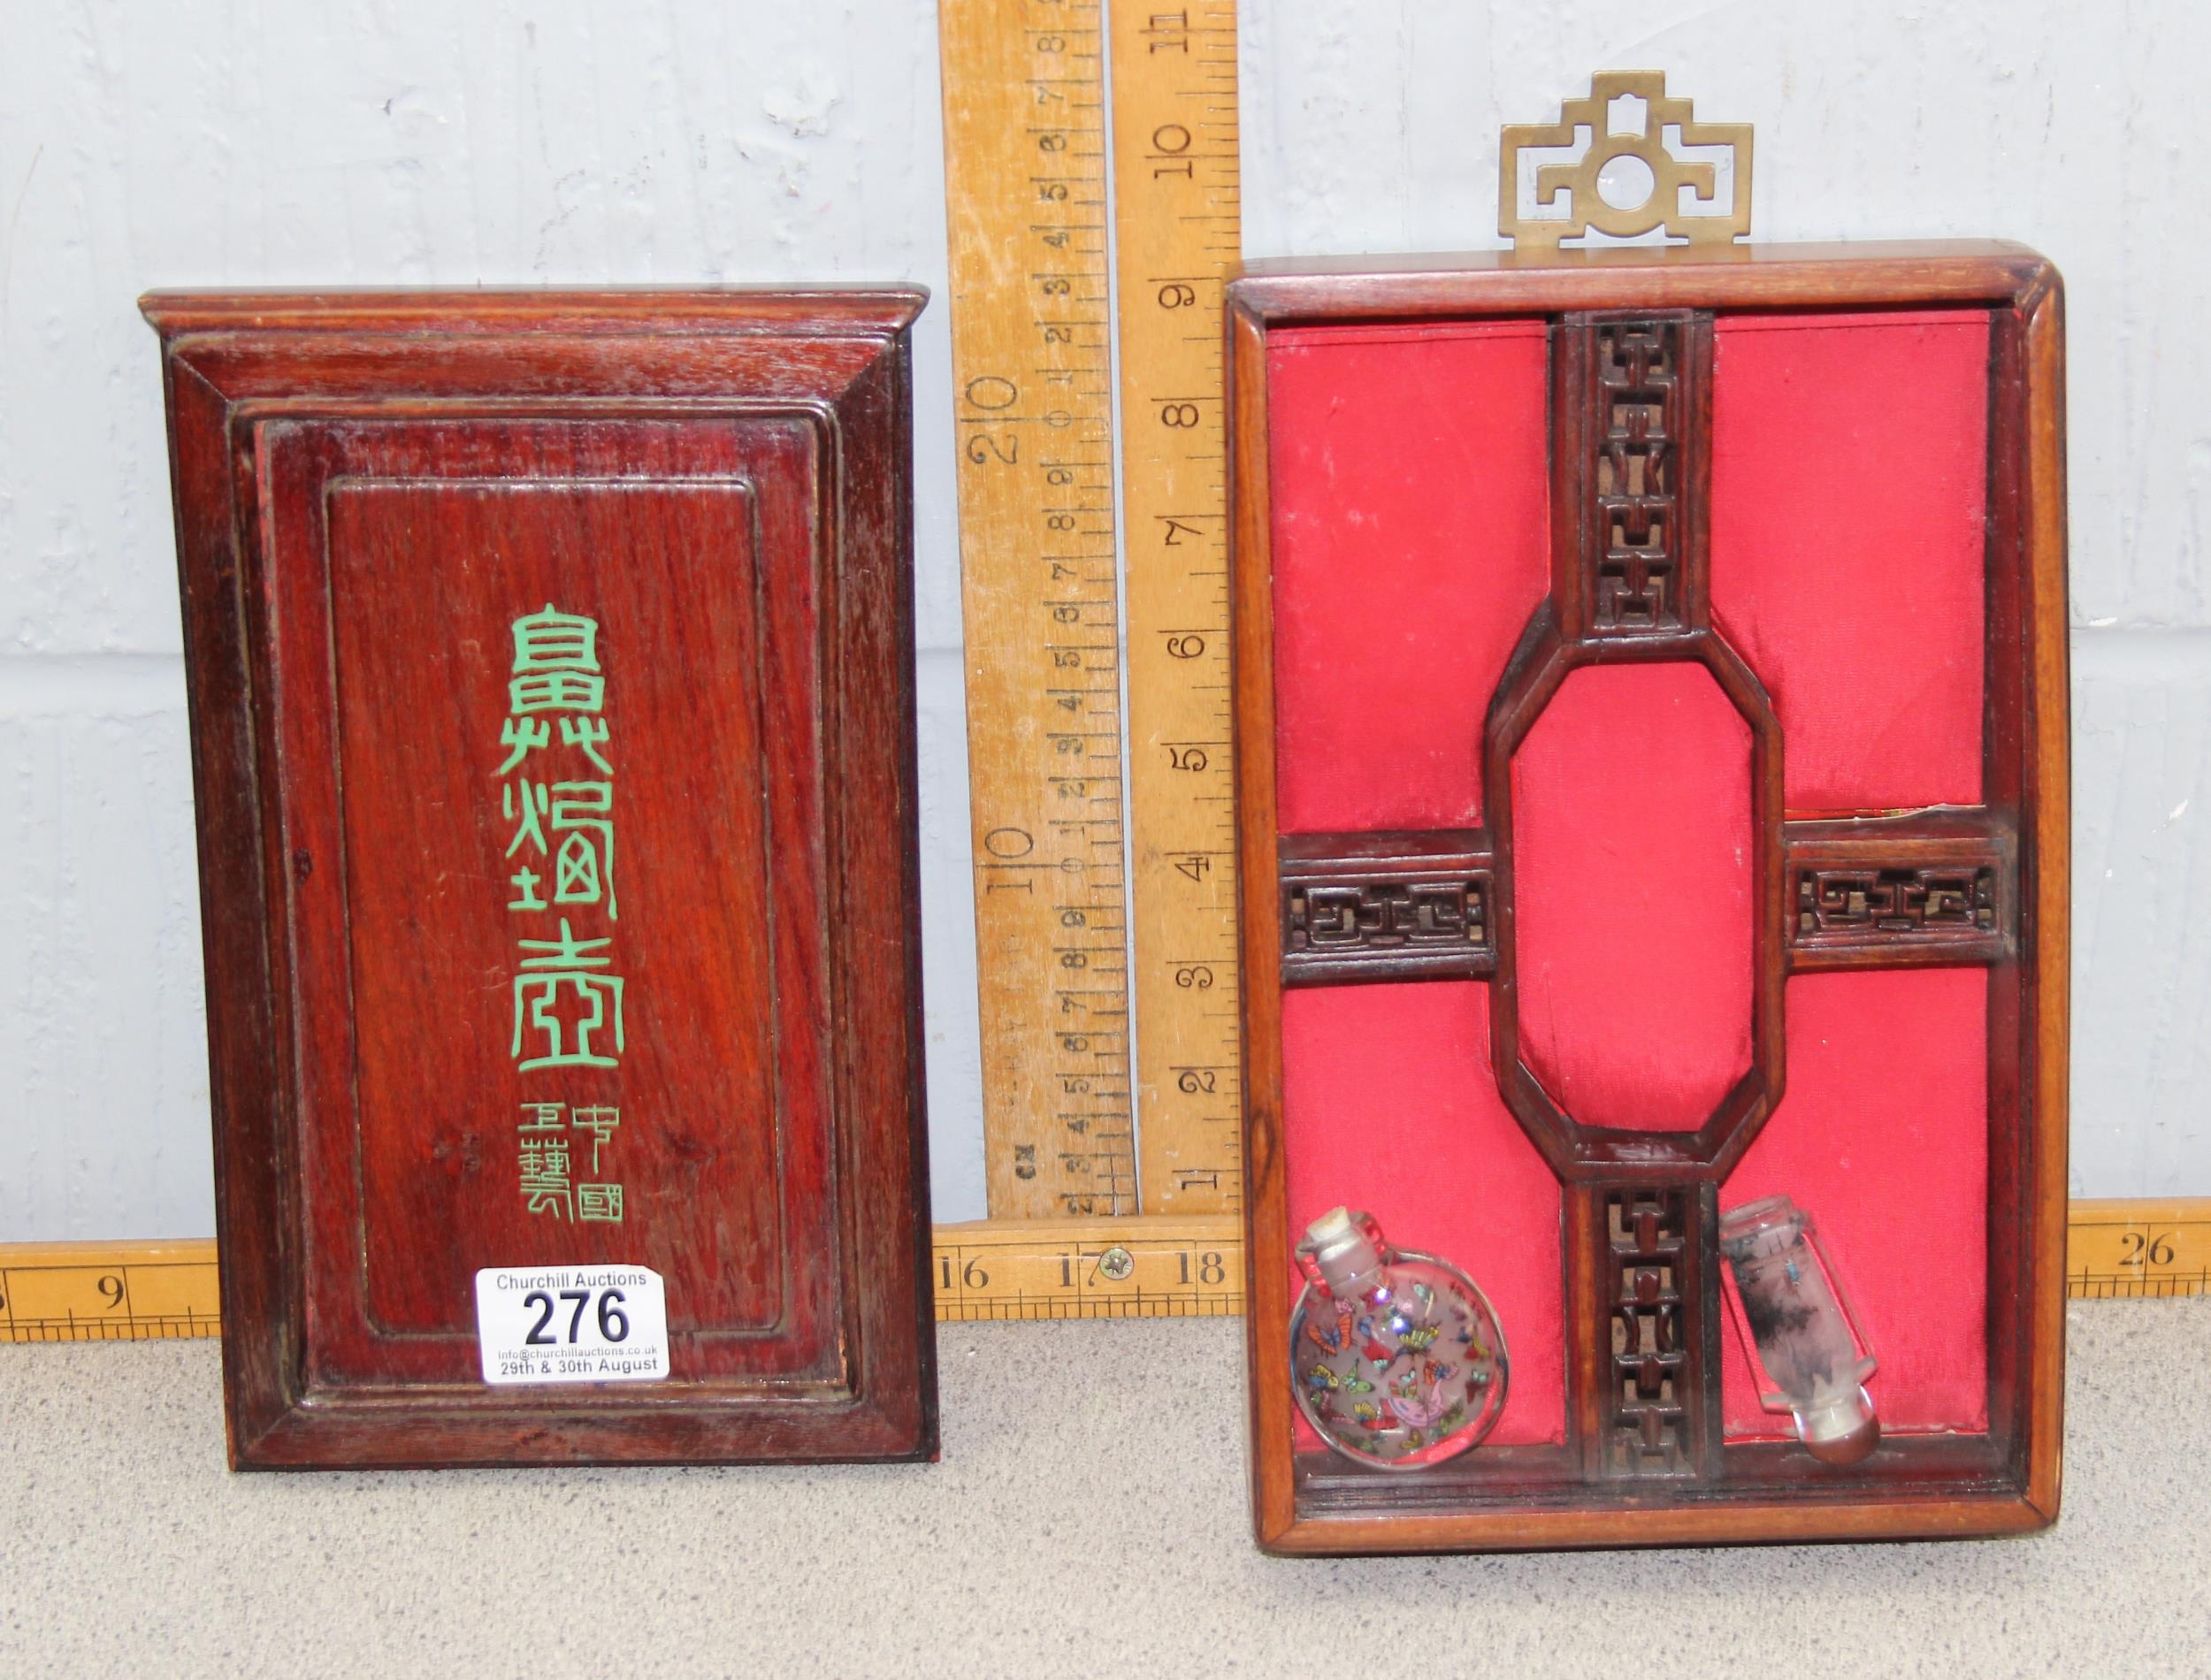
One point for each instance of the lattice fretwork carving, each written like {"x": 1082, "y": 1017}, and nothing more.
{"x": 1640, "y": 430}
{"x": 1901, "y": 891}
{"x": 1417, "y": 909}
{"x": 1872, "y": 902}
{"x": 1652, "y": 1401}
{"x": 1381, "y": 915}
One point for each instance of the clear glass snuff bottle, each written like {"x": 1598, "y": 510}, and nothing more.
{"x": 1398, "y": 1359}
{"x": 1815, "y": 1365}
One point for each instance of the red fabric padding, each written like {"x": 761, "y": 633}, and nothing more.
{"x": 1883, "y": 1138}
{"x": 1390, "y": 1106}
{"x": 1411, "y": 510}
{"x": 1849, "y": 481}
{"x": 1632, "y": 887}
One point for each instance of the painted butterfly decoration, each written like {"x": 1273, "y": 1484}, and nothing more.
{"x": 1331, "y": 1337}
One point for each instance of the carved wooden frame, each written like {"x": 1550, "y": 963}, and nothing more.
{"x": 837, "y": 359}
{"x": 1986, "y": 886}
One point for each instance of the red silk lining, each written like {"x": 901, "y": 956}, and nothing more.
{"x": 1408, "y": 488}
{"x": 1390, "y": 1106}
{"x": 1883, "y": 1138}
{"x": 1849, "y": 473}
{"x": 1632, "y": 859}
{"x": 1411, "y": 517}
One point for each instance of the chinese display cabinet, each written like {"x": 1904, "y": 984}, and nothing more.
{"x": 550, "y": 661}
{"x": 1651, "y": 692}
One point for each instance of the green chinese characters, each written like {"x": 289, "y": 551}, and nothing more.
{"x": 568, "y": 1001}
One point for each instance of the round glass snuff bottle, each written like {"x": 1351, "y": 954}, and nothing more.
{"x": 1398, "y": 1359}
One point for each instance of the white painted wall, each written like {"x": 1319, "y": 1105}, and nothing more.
{"x": 423, "y": 141}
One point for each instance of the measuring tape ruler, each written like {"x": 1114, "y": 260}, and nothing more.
{"x": 1032, "y": 358}
{"x": 1178, "y": 232}
{"x": 1158, "y": 1266}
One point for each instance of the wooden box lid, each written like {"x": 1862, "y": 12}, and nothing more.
{"x": 551, "y": 670}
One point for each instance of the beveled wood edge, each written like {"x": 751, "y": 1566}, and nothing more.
{"x": 1650, "y": 277}
{"x": 322, "y": 1435}
{"x": 1306, "y": 971}
{"x": 796, "y": 311}
{"x": 242, "y": 1078}
{"x": 1756, "y": 253}
{"x": 1874, "y": 1514}
{"x": 268, "y": 1405}
{"x": 1317, "y": 853}
{"x": 522, "y": 375}
{"x": 881, "y": 1189}
{"x": 1742, "y": 277}
{"x": 2051, "y": 841}
{"x": 1252, "y": 683}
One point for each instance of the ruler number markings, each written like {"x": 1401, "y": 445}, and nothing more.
{"x": 1101, "y": 1268}
{"x": 1177, "y": 228}
{"x": 1025, "y": 134}
{"x": 1034, "y": 317}
{"x": 1105, "y": 1268}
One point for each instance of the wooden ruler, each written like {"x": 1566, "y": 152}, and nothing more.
{"x": 1172, "y": 1266}
{"x": 1178, "y": 232}
{"x": 1159, "y": 1266}
{"x": 1032, "y": 359}
{"x": 1033, "y": 218}
{"x": 2138, "y": 1250}
{"x": 108, "y": 1291}
{"x": 1130, "y": 1268}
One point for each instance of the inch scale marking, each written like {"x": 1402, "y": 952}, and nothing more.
{"x": 1155, "y": 1267}
{"x": 1178, "y": 233}
{"x": 1033, "y": 214}
{"x": 1167, "y": 1267}
{"x": 2138, "y": 1250}
{"x": 1032, "y": 359}
{"x": 108, "y": 1291}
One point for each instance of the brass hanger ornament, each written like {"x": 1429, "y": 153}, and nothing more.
{"x": 1629, "y": 180}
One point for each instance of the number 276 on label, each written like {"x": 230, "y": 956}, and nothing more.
{"x": 571, "y": 1325}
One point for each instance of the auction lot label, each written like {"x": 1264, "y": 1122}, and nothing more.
{"x": 571, "y": 1325}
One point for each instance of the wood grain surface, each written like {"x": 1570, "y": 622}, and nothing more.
{"x": 642, "y": 989}
{"x": 1983, "y": 886}
{"x": 1177, "y": 233}
{"x": 1025, "y": 147}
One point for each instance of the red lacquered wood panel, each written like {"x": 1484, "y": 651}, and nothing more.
{"x": 570, "y": 792}
{"x": 1849, "y": 490}
{"x": 1408, "y": 465}
{"x": 1389, "y": 1106}
{"x": 1632, "y": 840}
{"x": 1883, "y": 1137}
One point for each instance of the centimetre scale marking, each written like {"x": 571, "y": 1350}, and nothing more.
{"x": 1034, "y": 216}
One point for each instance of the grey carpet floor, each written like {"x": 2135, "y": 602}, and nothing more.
{"x": 1088, "y": 1519}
